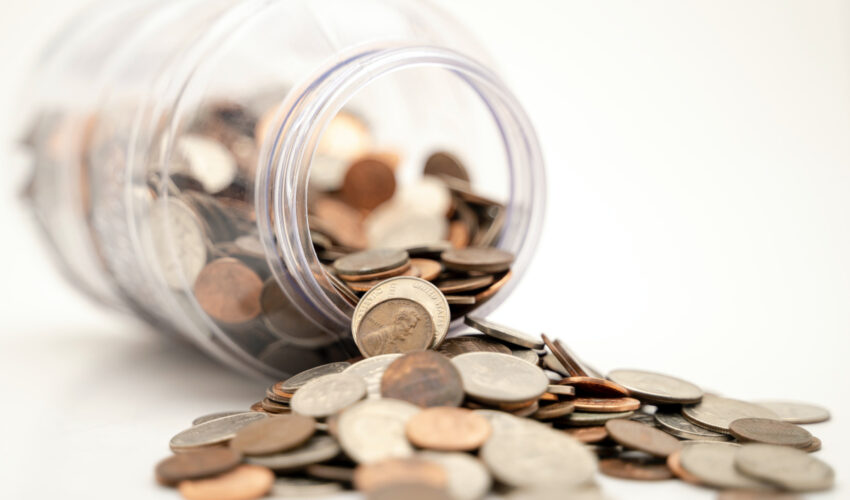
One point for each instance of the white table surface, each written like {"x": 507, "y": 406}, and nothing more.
{"x": 698, "y": 224}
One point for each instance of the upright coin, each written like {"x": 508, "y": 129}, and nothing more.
{"x": 504, "y": 333}
{"x": 204, "y": 462}
{"x": 408, "y": 288}
{"x": 424, "y": 378}
{"x": 677, "y": 425}
{"x": 656, "y": 387}
{"x": 375, "y": 475}
{"x": 371, "y": 370}
{"x": 500, "y": 378}
{"x": 482, "y": 259}
{"x": 371, "y": 262}
{"x": 442, "y": 164}
{"x": 448, "y": 429}
{"x": 229, "y": 291}
{"x": 368, "y": 183}
{"x": 328, "y": 394}
{"x": 713, "y": 464}
{"x": 395, "y": 326}
{"x": 468, "y": 479}
{"x": 298, "y": 380}
{"x": 768, "y": 431}
{"x": 374, "y": 430}
{"x": 245, "y": 482}
{"x": 717, "y": 413}
{"x": 641, "y": 437}
{"x": 210, "y": 163}
{"x": 179, "y": 242}
{"x": 456, "y": 346}
{"x": 797, "y": 413}
{"x": 316, "y": 450}
{"x": 788, "y": 468}
{"x": 273, "y": 435}
{"x": 213, "y": 432}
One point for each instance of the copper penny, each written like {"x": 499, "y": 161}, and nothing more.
{"x": 641, "y": 437}
{"x": 375, "y": 475}
{"x": 567, "y": 361}
{"x": 424, "y": 378}
{"x": 588, "y": 434}
{"x": 442, "y": 164}
{"x": 768, "y": 431}
{"x": 428, "y": 269}
{"x": 553, "y": 411}
{"x": 674, "y": 463}
{"x": 448, "y": 429}
{"x": 229, "y": 291}
{"x": 487, "y": 294}
{"x": 462, "y": 285}
{"x": 456, "y": 346}
{"x": 274, "y": 435}
{"x": 635, "y": 468}
{"x": 395, "y": 326}
{"x": 368, "y": 183}
{"x": 592, "y": 386}
{"x": 459, "y": 234}
{"x": 245, "y": 482}
{"x": 409, "y": 492}
{"x": 344, "y": 223}
{"x": 370, "y": 262}
{"x": 196, "y": 464}
{"x": 606, "y": 405}
{"x": 483, "y": 259}
{"x": 273, "y": 406}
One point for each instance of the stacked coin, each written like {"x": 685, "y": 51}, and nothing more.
{"x": 497, "y": 410}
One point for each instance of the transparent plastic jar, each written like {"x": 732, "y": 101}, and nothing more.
{"x": 115, "y": 109}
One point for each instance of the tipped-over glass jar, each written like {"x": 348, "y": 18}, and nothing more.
{"x": 203, "y": 163}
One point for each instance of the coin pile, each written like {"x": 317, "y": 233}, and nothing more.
{"x": 497, "y": 412}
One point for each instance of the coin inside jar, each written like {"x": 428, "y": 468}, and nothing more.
{"x": 368, "y": 183}
{"x": 482, "y": 259}
{"x": 229, "y": 291}
{"x": 395, "y": 326}
{"x": 442, "y": 164}
{"x": 448, "y": 429}
{"x": 370, "y": 262}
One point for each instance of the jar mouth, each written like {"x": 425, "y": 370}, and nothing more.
{"x": 287, "y": 156}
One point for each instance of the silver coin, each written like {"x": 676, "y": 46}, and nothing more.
{"x": 504, "y": 333}
{"x": 536, "y": 454}
{"x": 374, "y": 430}
{"x": 179, "y": 242}
{"x": 323, "y": 396}
{"x": 214, "y": 416}
{"x": 468, "y": 478}
{"x": 371, "y": 261}
{"x": 656, "y": 387}
{"x": 291, "y": 487}
{"x": 371, "y": 370}
{"x": 714, "y": 465}
{"x": 298, "y": 380}
{"x": 786, "y": 467}
{"x": 209, "y": 162}
{"x": 391, "y": 225}
{"x": 213, "y": 432}
{"x": 417, "y": 290}
{"x": 500, "y": 378}
{"x": 527, "y": 355}
{"x": 716, "y": 413}
{"x": 563, "y": 390}
{"x": 550, "y": 362}
{"x": 676, "y": 425}
{"x": 317, "y": 449}
{"x": 583, "y": 418}
{"x": 797, "y": 413}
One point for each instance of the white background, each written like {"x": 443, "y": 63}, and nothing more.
{"x": 698, "y": 224}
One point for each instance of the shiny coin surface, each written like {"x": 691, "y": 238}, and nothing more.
{"x": 213, "y": 416}
{"x": 273, "y": 435}
{"x": 634, "y": 468}
{"x": 606, "y": 405}
{"x": 412, "y": 470}
{"x": 500, "y": 378}
{"x": 797, "y": 413}
{"x": 298, "y": 380}
{"x": 328, "y": 394}
{"x": 713, "y": 464}
{"x": 767, "y": 431}
{"x": 371, "y": 262}
{"x": 245, "y": 482}
{"x": 374, "y": 430}
{"x": 424, "y": 378}
{"x": 196, "y": 464}
{"x": 467, "y": 477}
{"x": 229, "y": 291}
{"x": 371, "y": 370}
{"x": 788, "y": 468}
{"x": 637, "y": 436}
{"x": 583, "y": 418}
{"x": 677, "y": 425}
{"x": 408, "y": 288}
{"x": 448, "y": 429}
{"x": 456, "y": 346}
{"x": 317, "y": 449}
{"x": 717, "y": 413}
{"x": 504, "y": 333}
{"x": 395, "y": 326}
{"x": 656, "y": 387}
{"x": 213, "y": 432}
{"x": 482, "y": 259}
{"x": 531, "y": 455}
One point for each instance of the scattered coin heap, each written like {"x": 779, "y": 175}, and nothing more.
{"x": 499, "y": 411}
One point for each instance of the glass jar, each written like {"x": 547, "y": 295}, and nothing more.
{"x": 177, "y": 140}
